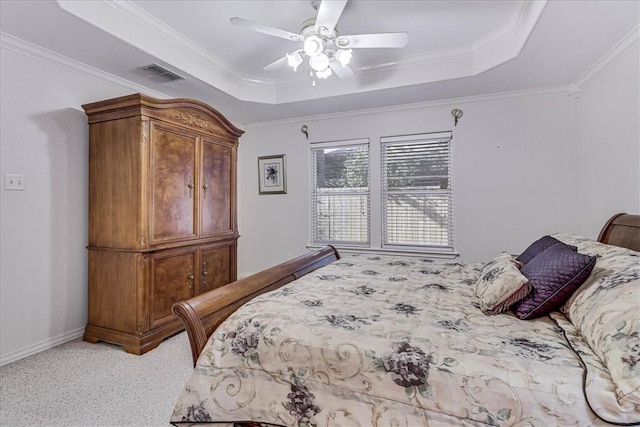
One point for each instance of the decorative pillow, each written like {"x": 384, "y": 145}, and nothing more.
{"x": 538, "y": 247}
{"x": 555, "y": 274}
{"x": 501, "y": 284}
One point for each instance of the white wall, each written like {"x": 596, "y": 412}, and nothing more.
{"x": 43, "y": 136}
{"x": 516, "y": 176}
{"x": 609, "y": 136}
{"x": 512, "y": 161}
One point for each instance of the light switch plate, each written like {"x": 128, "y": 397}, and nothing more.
{"x": 14, "y": 182}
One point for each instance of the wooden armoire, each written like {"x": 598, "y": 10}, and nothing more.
{"x": 162, "y": 214}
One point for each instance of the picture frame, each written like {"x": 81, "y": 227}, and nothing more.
{"x": 272, "y": 178}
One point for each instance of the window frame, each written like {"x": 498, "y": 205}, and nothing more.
{"x": 313, "y": 193}
{"x": 376, "y": 222}
{"x": 408, "y": 140}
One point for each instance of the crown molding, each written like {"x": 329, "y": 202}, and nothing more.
{"x": 573, "y": 90}
{"x": 477, "y": 99}
{"x": 128, "y": 22}
{"x": 153, "y": 24}
{"x": 131, "y": 24}
{"x": 460, "y": 62}
{"x": 506, "y": 43}
{"x": 615, "y": 54}
{"x": 46, "y": 56}
{"x": 519, "y": 27}
{"x": 38, "y": 53}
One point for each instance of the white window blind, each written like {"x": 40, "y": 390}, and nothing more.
{"x": 340, "y": 193}
{"x": 416, "y": 191}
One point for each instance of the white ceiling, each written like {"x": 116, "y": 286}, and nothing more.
{"x": 456, "y": 48}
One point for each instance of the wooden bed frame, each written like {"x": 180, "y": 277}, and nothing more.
{"x": 622, "y": 230}
{"x": 204, "y": 313}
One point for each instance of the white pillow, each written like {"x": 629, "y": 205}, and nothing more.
{"x": 501, "y": 284}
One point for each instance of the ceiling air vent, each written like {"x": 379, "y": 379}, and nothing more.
{"x": 160, "y": 71}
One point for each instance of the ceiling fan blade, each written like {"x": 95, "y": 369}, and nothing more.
{"x": 380, "y": 40}
{"x": 277, "y": 64}
{"x": 265, "y": 29}
{"x": 340, "y": 71}
{"x": 328, "y": 14}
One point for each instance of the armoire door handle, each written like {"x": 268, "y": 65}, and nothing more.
{"x": 190, "y": 277}
{"x": 204, "y": 273}
{"x": 205, "y": 186}
{"x": 190, "y": 185}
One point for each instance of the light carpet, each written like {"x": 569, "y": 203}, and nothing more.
{"x": 83, "y": 384}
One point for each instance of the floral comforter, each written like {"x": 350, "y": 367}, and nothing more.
{"x": 381, "y": 341}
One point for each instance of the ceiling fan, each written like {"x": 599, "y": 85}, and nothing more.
{"x": 325, "y": 49}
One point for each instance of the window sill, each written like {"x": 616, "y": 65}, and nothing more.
{"x": 388, "y": 251}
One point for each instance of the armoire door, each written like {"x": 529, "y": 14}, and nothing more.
{"x": 218, "y": 181}
{"x": 173, "y": 279}
{"x": 173, "y": 184}
{"x": 217, "y": 263}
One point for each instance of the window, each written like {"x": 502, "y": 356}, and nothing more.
{"x": 416, "y": 191}
{"x": 405, "y": 204}
{"x": 340, "y": 193}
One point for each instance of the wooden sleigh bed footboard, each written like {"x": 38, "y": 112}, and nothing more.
{"x": 202, "y": 314}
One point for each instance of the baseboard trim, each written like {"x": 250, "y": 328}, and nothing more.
{"x": 41, "y": 346}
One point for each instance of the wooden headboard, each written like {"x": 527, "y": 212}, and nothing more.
{"x": 622, "y": 230}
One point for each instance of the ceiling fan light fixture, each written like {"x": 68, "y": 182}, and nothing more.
{"x": 319, "y": 62}
{"x": 294, "y": 60}
{"x": 313, "y": 45}
{"x": 344, "y": 56}
{"x": 323, "y": 74}
{"x": 322, "y": 45}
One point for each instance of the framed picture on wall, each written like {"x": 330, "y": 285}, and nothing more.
{"x": 271, "y": 175}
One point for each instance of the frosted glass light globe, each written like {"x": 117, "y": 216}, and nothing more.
{"x": 324, "y": 73}
{"x": 294, "y": 60}
{"x": 319, "y": 62}
{"x": 344, "y": 56}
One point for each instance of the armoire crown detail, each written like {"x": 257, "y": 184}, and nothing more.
{"x": 195, "y": 120}
{"x": 162, "y": 214}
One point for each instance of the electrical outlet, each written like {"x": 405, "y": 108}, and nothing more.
{"x": 14, "y": 182}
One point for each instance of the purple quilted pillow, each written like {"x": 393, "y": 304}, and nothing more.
{"x": 555, "y": 274}
{"x": 538, "y": 247}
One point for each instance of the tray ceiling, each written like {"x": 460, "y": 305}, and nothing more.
{"x": 456, "y": 48}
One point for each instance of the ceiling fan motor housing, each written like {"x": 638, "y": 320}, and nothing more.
{"x": 308, "y": 29}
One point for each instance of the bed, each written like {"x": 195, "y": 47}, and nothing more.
{"x": 367, "y": 340}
